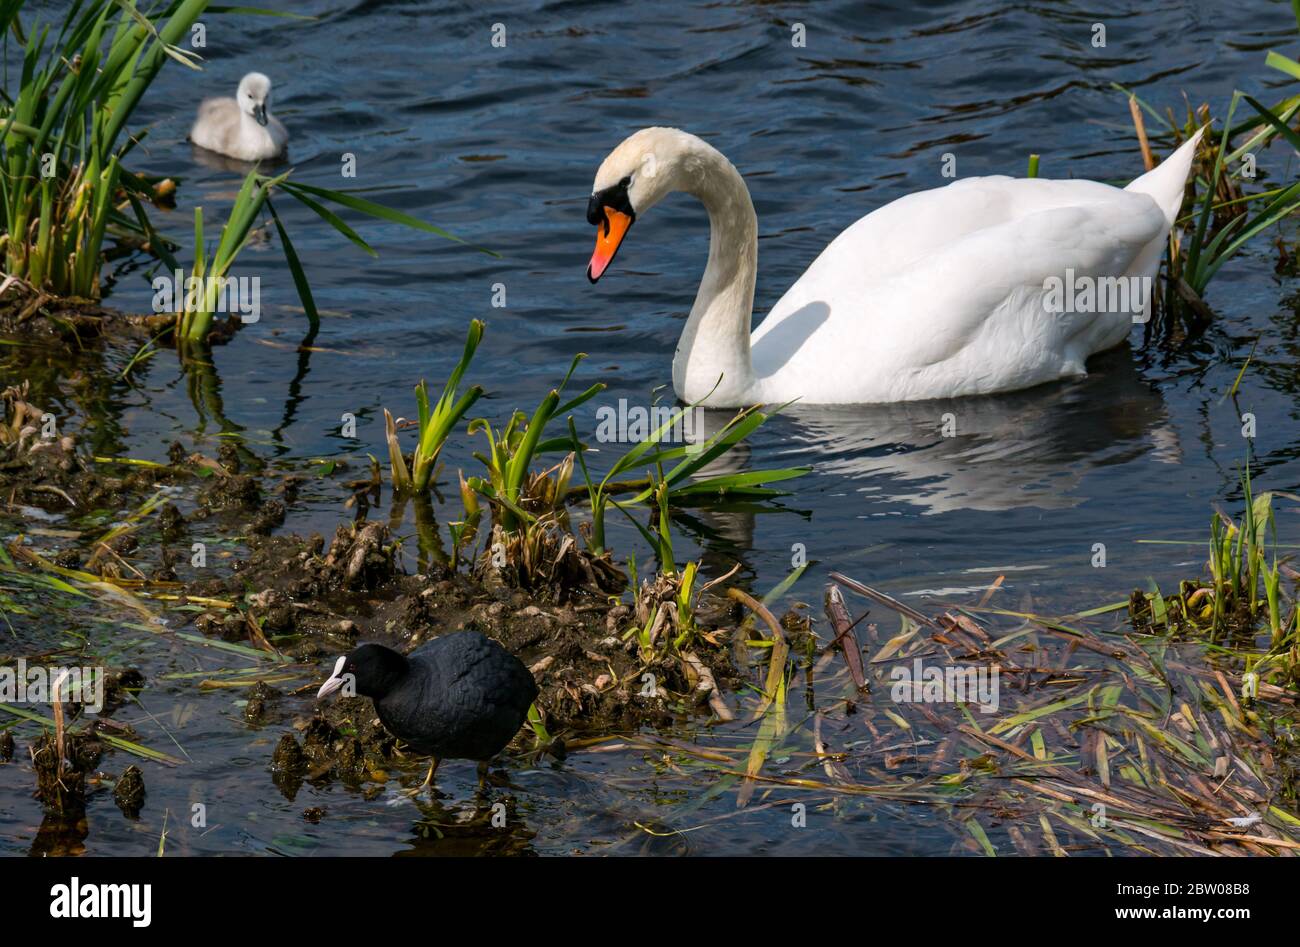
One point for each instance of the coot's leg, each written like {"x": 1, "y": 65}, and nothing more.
{"x": 482, "y": 774}
{"x": 428, "y": 780}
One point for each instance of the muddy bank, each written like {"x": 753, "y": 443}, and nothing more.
{"x": 71, "y": 321}
{"x": 307, "y": 601}
{"x": 312, "y": 603}
{"x": 42, "y": 471}
{"x": 54, "y": 319}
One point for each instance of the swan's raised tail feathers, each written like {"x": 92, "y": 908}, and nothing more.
{"x": 1166, "y": 181}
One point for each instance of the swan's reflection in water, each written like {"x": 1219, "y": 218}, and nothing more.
{"x": 1023, "y": 449}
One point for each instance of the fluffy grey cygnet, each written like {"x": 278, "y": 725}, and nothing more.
{"x": 241, "y": 127}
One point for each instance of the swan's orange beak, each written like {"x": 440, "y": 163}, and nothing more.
{"x": 609, "y": 234}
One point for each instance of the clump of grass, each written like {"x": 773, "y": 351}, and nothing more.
{"x": 1244, "y": 586}
{"x": 1209, "y": 249}
{"x": 1230, "y": 211}
{"x": 531, "y": 538}
{"x": 518, "y": 497}
{"x": 530, "y": 543}
{"x": 1127, "y": 746}
{"x": 1240, "y": 564}
{"x": 658, "y": 534}
{"x": 680, "y": 483}
{"x": 665, "y": 604}
{"x": 62, "y": 137}
{"x": 435, "y": 422}
{"x": 198, "y": 307}
{"x": 662, "y": 605}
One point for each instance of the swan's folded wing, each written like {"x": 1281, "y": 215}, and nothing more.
{"x": 917, "y": 226}
{"x": 1001, "y": 284}
{"x": 976, "y": 314}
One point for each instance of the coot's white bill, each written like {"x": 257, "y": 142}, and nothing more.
{"x": 336, "y": 680}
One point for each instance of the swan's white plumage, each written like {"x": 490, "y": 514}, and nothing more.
{"x": 945, "y": 290}
{"x": 228, "y": 126}
{"x": 938, "y": 294}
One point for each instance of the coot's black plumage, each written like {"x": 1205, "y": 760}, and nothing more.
{"x": 460, "y": 696}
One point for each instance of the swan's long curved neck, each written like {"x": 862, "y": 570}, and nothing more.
{"x": 715, "y": 342}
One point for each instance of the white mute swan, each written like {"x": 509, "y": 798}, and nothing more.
{"x": 988, "y": 284}
{"x": 241, "y": 127}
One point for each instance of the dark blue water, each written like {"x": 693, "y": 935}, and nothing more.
{"x": 500, "y": 145}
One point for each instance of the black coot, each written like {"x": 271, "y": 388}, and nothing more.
{"x": 460, "y": 696}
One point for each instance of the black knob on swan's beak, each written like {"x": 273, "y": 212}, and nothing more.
{"x": 595, "y": 212}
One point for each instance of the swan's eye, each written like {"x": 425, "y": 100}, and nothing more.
{"x": 626, "y": 182}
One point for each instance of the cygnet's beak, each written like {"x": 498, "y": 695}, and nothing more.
{"x": 335, "y": 681}
{"x": 259, "y": 113}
